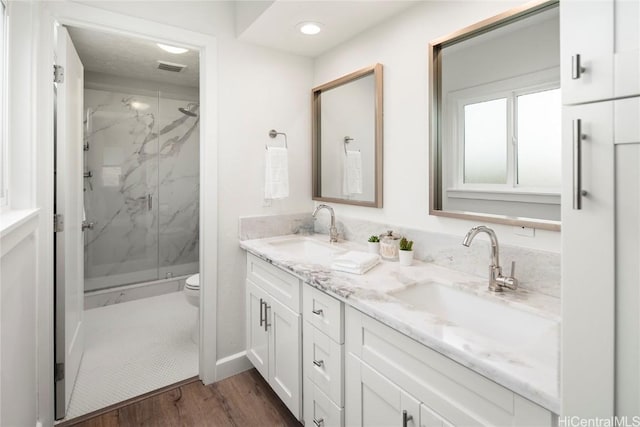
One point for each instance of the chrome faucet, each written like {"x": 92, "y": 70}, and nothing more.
{"x": 333, "y": 231}
{"x": 497, "y": 282}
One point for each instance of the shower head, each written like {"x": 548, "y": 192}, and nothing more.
{"x": 190, "y": 110}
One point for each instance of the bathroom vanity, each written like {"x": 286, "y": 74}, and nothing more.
{"x": 408, "y": 346}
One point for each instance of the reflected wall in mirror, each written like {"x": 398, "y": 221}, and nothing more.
{"x": 495, "y": 119}
{"x": 347, "y": 139}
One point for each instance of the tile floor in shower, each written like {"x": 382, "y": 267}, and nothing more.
{"x": 133, "y": 348}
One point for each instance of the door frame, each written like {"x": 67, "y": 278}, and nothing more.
{"x": 88, "y": 17}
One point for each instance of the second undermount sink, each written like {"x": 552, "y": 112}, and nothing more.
{"x": 309, "y": 249}
{"x": 520, "y": 330}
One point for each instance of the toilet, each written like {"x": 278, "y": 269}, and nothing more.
{"x": 192, "y": 294}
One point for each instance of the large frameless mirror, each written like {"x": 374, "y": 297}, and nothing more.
{"x": 495, "y": 119}
{"x": 347, "y": 139}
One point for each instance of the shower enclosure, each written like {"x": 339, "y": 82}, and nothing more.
{"x": 141, "y": 188}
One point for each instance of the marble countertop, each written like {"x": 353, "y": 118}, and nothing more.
{"x": 530, "y": 369}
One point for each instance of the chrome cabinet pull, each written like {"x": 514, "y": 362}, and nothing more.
{"x": 319, "y": 422}
{"x": 576, "y": 68}
{"x": 319, "y": 363}
{"x": 266, "y": 316}
{"x": 261, "y": 318}
{"x": 149, "y": 201}
{"x": 578, "y": 137}
{"x": 317, "y": 312}
{"x": 406, "y": 418}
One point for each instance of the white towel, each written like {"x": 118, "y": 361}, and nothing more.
{"x": 276, "y": 176}
{"x": 356, "y": 262}
{"x": 352, "y": 183}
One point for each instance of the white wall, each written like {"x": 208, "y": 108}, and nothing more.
{"x": 400, "y": 45}
{"x": 18, "y": 334}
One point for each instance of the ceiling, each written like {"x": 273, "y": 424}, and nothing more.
{"x": 275, "y": 24}
{"x": 132, "y": 57}
{"x": 263, "y": 22}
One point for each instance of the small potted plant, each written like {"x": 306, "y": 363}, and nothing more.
{"x": 374, "y": 244}
{"x": 406, "y": 251}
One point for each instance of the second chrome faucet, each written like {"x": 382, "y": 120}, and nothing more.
{"x": 497, "y": 282}
{"x": 333, "y": 231}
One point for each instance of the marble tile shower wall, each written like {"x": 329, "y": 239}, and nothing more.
{"x": 538, "y": 271}
{"x": 143, "y": 193}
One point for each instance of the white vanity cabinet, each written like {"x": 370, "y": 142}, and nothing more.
{"x": 323, "y": 358}
{"x": 273, "y": 331}
{"x": 600, "y": 50}
{"x": 388, "y": 373}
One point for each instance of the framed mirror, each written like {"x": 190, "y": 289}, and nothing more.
{"x": 347, "y": 139}
{"x": 495, "y": 116}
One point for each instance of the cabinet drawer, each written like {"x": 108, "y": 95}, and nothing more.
{"x": 324, "y": 312}
{"x": 280, "y": 285}
{"x": 323, "y": 358}
{"x": 319, "y": 410}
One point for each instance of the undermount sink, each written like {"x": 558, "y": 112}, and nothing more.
{"x": 517, "y": 329}
{"x": 308, "y": 249}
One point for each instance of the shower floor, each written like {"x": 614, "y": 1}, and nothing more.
{"x": 133, "y": 348}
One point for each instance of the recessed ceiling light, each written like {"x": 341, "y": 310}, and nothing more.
{"x": 309, "y": 28}
{"x": 139, "y": 105}
{"x": 172, "y": 49}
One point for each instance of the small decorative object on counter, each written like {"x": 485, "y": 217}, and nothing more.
{"x": 374, "y": 244}
{"x": 406, "y": 251}
{"x": 389, "y": 246}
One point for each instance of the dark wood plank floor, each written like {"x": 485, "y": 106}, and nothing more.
{"x": 242, "y": 400}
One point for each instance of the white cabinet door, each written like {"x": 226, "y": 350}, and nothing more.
{"x": 587, "y": 354}
{"x": 256, "y": 333}
{"x": 285, "y": 374}
{"x": 627, "y": 135}
{"x": 605, "y": 36}
{"x": 372, "y": 400}
{"x": 586, "y": 50}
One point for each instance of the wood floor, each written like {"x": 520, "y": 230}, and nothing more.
{"x": 242, "y": 400}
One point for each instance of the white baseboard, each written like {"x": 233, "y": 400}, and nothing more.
{"x": 232, "y": 365}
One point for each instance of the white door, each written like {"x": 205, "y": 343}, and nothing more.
{"x": 588, "y": 261}
{"x": 69, "y": 281}
{"x": 284, "y": 355}
{"x": 256, "y": 330}
{"x": 373, "y": 400}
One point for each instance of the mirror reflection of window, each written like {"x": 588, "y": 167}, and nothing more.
{"x": 539, "y": 139}
{"x": 485, "y": 142}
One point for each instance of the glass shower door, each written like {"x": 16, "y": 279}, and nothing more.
{"x": 179, "y": 171}
{"x": 121, "y": 189}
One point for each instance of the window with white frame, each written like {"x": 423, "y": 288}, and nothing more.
{"x": 508, "y": 136}
{"x": 3, "y": 107}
